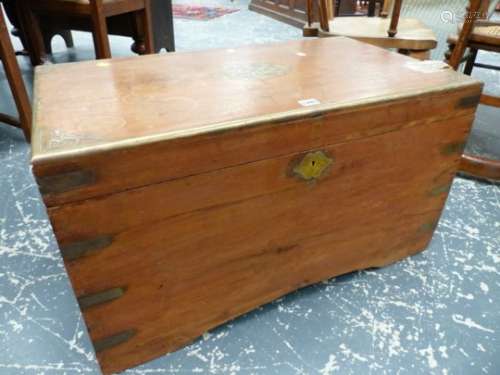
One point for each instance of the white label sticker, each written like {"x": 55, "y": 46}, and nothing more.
{"x": 309, "y": 102}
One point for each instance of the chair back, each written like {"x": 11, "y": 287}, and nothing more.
{"x": 327, "y": 12}
{"x": 472, "y": 15}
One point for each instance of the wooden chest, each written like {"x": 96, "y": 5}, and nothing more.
{"x": 187, "y": 189}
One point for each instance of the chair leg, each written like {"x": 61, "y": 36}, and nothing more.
{"x": 470, "y": 61}
{"x": 15, "y": 79}
{"x": 148, "y": 27}
{"x": 396, "y": 11}
{"x": 68, "y": 38}
{"x": 372, "y": 6}
{"x": 386, "y": 8}
{"x": 100, "y": 30}
{"x": 47, "y": 42}
{"x": 32, "y": 33}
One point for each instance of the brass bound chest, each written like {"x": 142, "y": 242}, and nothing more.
{"x": 186, "y": 189}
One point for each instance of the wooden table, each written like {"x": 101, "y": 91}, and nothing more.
{"x": 162, "y": 19}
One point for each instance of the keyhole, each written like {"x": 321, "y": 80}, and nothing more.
{"x": 313, "y": 163}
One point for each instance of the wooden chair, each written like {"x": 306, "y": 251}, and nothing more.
{"x": 476, "y": 35}
{"x": 86, "y": 15}
{"x": 407, "y": 35}
{"x": 13, "y": 73}
{"x": 371, "y": 6}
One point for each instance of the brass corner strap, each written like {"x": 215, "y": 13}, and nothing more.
{"x": 94, "y": 299}
{"x": 313, "y": 165}
{"x": 453, "y": 148}
{"x": 114, "y": 340}
{"x": 79, "y": 249}
{"x": 61, "y": 183}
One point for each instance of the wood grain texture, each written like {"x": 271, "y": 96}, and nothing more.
{"x": 177, "y": 222}
{"x": 186, "y": 273}
{"x": 202, "y": 156}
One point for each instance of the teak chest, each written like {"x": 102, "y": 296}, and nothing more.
{"x": 187, "y": 189}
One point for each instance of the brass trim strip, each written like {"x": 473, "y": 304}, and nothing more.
{"x": 99, "y": 298}
{"x": 40, "y": 156}
{"x": 112, "y": 341}
{"x": 79, "y": 249}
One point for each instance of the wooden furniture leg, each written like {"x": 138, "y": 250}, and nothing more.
{"x": 144, "y": 43}
{"x": 396, "y": 11}
{"x": 468, "y": 26}
{"x": 386, "y": 8}
{"x": 30, "y": 26}
{"x": 323, "y": 15}
{"x": 14, "y": 77}
{"x": 100, "y": 30}
{"x": 470, "y": 165}
{"x": 470, "y": 61}
{"x": 148, "y": 26}
{"x": 372, "y": 6}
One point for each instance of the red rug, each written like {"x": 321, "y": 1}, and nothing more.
{"x": 199, "y": 12}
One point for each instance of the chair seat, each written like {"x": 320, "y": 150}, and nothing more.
{"x": 74, "y": 7}
{"x": 486, "y": 36}
{"x": 412, "y": 34}
{"x": 486, "y": 33}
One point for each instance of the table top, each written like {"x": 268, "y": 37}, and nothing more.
{"x": 115, "y": 103}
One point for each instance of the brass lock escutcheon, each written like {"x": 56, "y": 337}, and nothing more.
{"x": 313, "y": 165}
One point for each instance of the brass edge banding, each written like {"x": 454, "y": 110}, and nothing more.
{"x": 114, "y": 340}
{"x": 99, "y": 298}
{"x": 258, "y": 120}
{"x": 79, "y": 249}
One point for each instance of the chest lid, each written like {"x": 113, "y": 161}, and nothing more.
{"x": 96, "y": 113}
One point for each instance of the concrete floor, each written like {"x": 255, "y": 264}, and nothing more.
{"x": 435, "y": 313}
